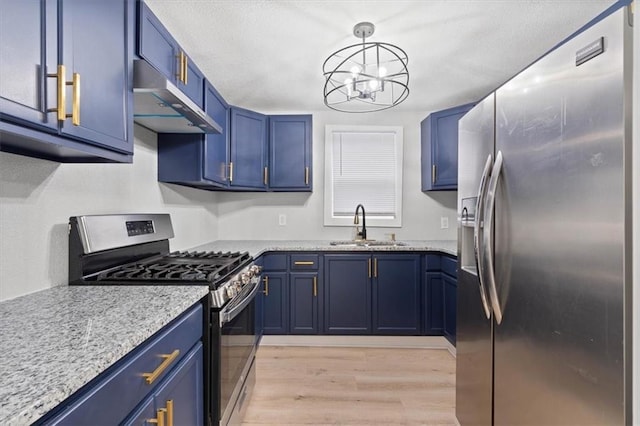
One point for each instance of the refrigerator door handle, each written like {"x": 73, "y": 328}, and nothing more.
{"x": 478, "y": 235}
{"x": 487, "y": 237}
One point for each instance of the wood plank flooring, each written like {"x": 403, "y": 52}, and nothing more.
{"x": 337, "y": 385}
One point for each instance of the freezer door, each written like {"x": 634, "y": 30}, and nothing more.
{"x": 560, "y": 235}
{"x": 473, "y": 339}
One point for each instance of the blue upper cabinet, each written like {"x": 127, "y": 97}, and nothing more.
{"x": 65, "y": 91}
{"x": 248, "y": 166}
{"x": 193, "y": 159}
{"x": 290, "y": 157}
{"x": 439, "y": 145}
{"x": 161, "y": 50}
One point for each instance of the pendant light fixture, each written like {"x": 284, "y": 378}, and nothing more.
{"x": 367, "y": 76}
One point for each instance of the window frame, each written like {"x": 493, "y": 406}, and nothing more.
{"x": 372, "y": 221}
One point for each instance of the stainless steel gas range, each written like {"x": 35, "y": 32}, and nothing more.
{"x": 133, "y": 249}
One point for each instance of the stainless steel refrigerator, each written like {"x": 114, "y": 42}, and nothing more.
{"x": 544, "y": 247}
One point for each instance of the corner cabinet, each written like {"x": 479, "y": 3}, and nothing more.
{"x": 171, "y": 390}
{"x": 83, "y": 48}
{"x": 290, "y": 156}
{"x": 439, "y": 148}
{"x": 248, "y": 150}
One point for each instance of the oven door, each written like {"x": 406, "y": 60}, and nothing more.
{"x": 238, "y": 341}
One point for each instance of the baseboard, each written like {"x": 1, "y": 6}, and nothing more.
{"x": 424, "y": 342}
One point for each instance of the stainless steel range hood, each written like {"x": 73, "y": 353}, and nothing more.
{"x": 162, "y": 107}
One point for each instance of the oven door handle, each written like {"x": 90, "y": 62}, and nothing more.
{"x": 233, "y": 308}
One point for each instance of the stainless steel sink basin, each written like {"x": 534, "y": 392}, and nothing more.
{"x": 367, "y": 243}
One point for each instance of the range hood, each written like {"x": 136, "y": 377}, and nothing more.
{"x": 160, "y": 106}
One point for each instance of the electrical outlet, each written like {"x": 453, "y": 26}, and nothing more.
{"x": 444, "y": 222}
{"x": 282, "y": 219}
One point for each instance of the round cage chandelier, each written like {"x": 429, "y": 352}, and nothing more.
{"x": 367, "y": 76}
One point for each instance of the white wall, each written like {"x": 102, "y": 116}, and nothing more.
{"x": 37, "y": 197}
{"x": 250, "y": 216}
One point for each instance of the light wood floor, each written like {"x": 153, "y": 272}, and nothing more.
{"x": 332, "y": 385}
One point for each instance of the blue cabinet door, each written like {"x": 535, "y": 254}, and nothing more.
{"x": 347, "y": 294}
{"x": 396, "y": 294}
{"x": 28, "y": 52}
{"x": 304, "y": 294}
{"x": 248, "y": 149}
{"x": 439, "y": 147}
{"x": 276, "y": 303}
{"x": 290, "y": 153}
{"x": 433, "y": 302}
{"x": 216, "y": 146}
{"x": 450, "y": 301}
{"x": 158, "y": 47}
{"x": 95, "y": 37}
{"x": 180, "y": 398}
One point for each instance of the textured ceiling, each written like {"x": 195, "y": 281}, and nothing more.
{"x": 268, "y": 55}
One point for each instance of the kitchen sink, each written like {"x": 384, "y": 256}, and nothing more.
{"x": 367, "y": 243}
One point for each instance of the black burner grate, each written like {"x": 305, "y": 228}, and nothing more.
{"x": 180, "y": 268}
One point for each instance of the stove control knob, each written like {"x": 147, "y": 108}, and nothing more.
{"x": 245, "y": 278}
{"x": 255, "y": 269}
{"x": 231, "y": 292}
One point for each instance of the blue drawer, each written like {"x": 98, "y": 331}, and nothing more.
{"x": 432, "y": 262}
{"x": 275, "y": 262}
{"x": 114, "y": 396}
{"x": 449, "y": 265}
{"x": 304, "y": 262}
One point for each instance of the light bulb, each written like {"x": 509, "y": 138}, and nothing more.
{"x": 355, "y": 70}
{"x": 382, "y": 71}
{"x": 373, "y": 84}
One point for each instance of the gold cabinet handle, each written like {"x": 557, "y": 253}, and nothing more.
{"x": 170, "y": 412}
{"x": 306, "y": 175}
{"x": 231, "y": 172}
{"x": 185, "y": 69}
{"x": 265, "y": 280}
{"x": 168, "y": 359}
{"x": 159, "y": 420}
{"x": 75, "y": 99}
{"x": 433, "y": 173}
{"x": 61, "y": 97}
{"x": 375, "y": 267}
{"x": 266, "y": 173}
{"x": 303, "y": 262}
{"x": 180, "y": 74}
{"x": 315, "y": 286}
{"x": 369, "y": 265}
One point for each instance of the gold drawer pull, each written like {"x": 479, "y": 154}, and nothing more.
{"x": 303, "y": 262}
{"x": 168, "y": 359}
{"x": 266, "y": 285}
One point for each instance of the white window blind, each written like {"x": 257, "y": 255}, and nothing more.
{"x": 364, "y": 166}
{"x": 364, "y": 172}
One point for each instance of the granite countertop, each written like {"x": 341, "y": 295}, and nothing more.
{"x": 257, "y": 247}
{"x": 55, "y": 341}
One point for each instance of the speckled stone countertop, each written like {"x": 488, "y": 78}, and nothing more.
{"x": 257, "y": 247}
{"x": 55, "y": 341}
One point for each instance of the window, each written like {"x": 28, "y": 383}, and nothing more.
{"x": 363, "y": 165}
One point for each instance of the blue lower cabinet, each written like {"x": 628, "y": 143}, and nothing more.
{"x": 450, "y": 300}
{"x": 179, "y": 399}
{"x": 173, "y": 359}
{"x": 275, "y": 302}
{"x": 433, "y": 302}
{"x": 396, "y": 294}
{"x": 347, "y": 294}
{"x": 304, "y": 296}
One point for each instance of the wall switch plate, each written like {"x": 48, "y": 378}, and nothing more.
{"x": 282, "y": 219}
{"x": 444, "y": 222}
